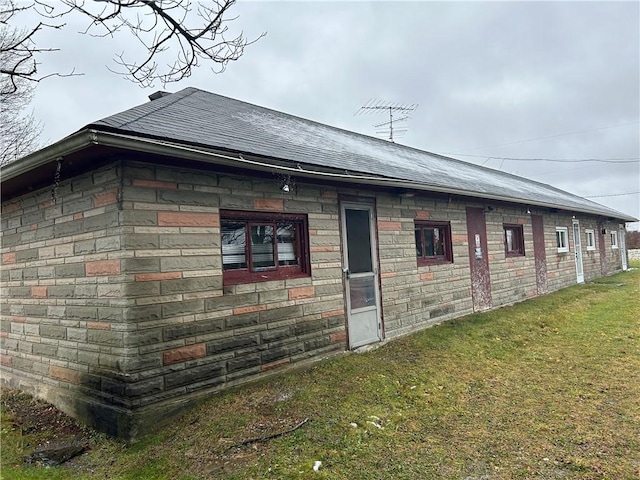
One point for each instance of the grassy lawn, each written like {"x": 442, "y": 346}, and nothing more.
{"x": 546, "y": 389}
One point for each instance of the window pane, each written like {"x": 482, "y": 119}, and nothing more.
{"x": 418, "y": 243}
{"x": 362, "y": 292}
{"x": 358, "y": 240}
{"x": 233, "y": 245}
{"x": 438, "y": 241}
{"x": 509, "y": 234}
{"x": 287, "y": 244}
{"x": 262, "y": 246}
{"x": 429, "y": 240}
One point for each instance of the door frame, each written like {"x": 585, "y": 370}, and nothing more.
{"x": 479, "y": 268}
{"x": 368, "y": 205}
{"x": 539, "y": 252}
{"x": 622, "y": 246}
{"x": 577, "y": 247}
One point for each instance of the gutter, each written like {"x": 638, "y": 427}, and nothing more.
{"x": 86, "y": 138}
{"x": 66, "y": 146}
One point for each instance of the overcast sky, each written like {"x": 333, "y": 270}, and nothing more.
{"x": 556, "y": 80}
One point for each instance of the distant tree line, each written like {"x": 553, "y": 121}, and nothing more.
{"x": 633, "y": 240}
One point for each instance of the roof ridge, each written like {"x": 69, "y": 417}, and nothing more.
{"x": 161, "y": 103}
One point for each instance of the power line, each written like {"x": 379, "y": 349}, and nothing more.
{"x": 559, "y": 160}
{"x": 550, "y": 136}
{"x": 612, "y": 195}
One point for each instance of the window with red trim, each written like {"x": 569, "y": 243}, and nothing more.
{"x": 513, "y": 240}
{"x": 258, "y": 247}
{"x": 433, "y": 242}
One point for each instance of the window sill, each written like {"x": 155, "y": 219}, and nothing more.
{"x": 428, "y": 263}
{"x": 238, "y": 278}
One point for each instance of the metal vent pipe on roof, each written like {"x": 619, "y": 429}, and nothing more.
{"x": 158, "y": 94}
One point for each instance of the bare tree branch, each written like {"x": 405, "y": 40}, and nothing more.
{"x": 18, "y": 50}
{"x": 195, "y": 31}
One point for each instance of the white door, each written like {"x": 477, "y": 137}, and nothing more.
{"x": 360, "y": 274}
{"x": 577, "y": 243}
{"x": 623, "y": 248}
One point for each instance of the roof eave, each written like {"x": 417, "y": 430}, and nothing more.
{"x": 88, "y": 137}
{"x": 61, "y": 148}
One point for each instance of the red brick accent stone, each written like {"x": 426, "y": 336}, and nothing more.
{"x": 6, "y": 360}
{"x": 389, "y": 274}
{"x": 78, "y": 216}
{"x": 313, "y": 232}
{"x": 274, "y": 365}
{"x": 64, "y": 374}
{"x": 11, "y": 207}
{"x": 426, "y": 276}
{"x": 338, "y": 337}
{"x": 98, "y": 326}
{"x": 333, "y": 313}
{"x": 390, "y": 226}
{"x": 188, "y": 219}
{"x": 8, "y": 258}
{"x": 423, "y": 215}
{"x": 329, "y": 194}
{"x": 138, "y": 182}
{"x": 4, "y": 334}
{"x": 253, "y": 308}
{"x": 459, "y": 239}
{"x": 39, "y": 292}
{"x": 34, "y": 226}
{"x": 102, "y": 267}
{"x": 273, "y": 204}
{"x": 145, "y": 277}
{"x": 105, "y": 198}
{"x": 183, "y": 354}
{"x": 46, "y": 204}
{"x": 301, "y": 292}
{"x": 322, "y": 248}
{"x": 19, "y": 319}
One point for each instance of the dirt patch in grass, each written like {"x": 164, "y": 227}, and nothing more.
{"x": 33, "y": 416}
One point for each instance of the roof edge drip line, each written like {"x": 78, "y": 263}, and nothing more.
{"x": 66, "y": 146}
{"x": 88, "y": 137}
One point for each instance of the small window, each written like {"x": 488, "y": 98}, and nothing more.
{"x": 591, "y": 239}
{"x": 257, "y": 247}
{"x": 562, "y": 239}
{"x": 614, "y": 239}
{"x": 433, "y": 243}
{"x": 513, "y": 240}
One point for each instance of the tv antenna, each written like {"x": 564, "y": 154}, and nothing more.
{"x": 374, "y": 105}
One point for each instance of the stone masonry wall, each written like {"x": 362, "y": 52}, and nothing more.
{"x": 612, "y": 259}
{"x": 512, "y": 278}
{"x": 62, "y": 310}
{"x": 190, "y": 332}
{"x": 415, "y": 297}
{"x": 113, "y": 304}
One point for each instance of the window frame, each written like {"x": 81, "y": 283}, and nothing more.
{"x": 277, "y": 272}
{"x": 447, "y": 257}
{"x": 564, "y": 231}
{"x": 614, "y": 239}
{"x": 517, "y": 238}
{"x": 590, "y": 236}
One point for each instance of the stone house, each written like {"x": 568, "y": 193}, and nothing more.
{"x": 197, "y": 242}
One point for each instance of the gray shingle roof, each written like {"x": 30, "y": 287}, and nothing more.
{"x": 197, "y": 117}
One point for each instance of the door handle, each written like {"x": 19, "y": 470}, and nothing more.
{"x": 346, "y": 272}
